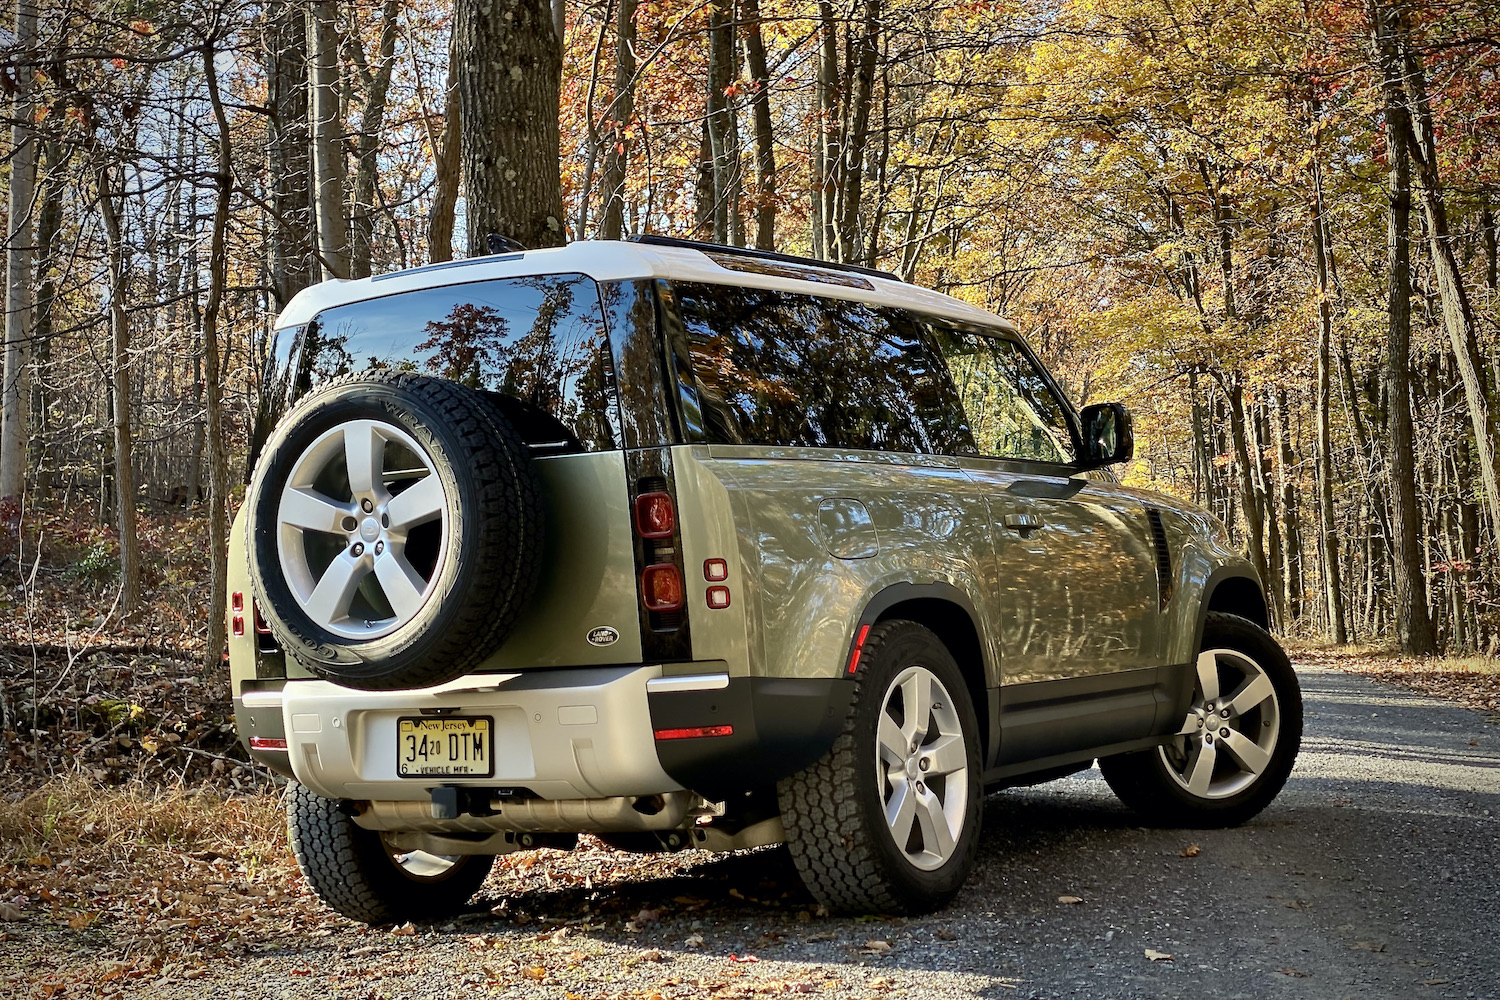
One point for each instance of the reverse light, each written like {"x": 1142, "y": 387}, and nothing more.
{"x": 655, "y": 516}
{"x": 693, "y": 732}
{"x": 718, "y": 598}
{"x": 661, "y": 587}
{"x": 715, "y": 570}
{"x": 267, "y": 743}
{"x": 859, "y": 647}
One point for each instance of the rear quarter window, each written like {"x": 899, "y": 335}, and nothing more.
{"x": 785, "y": 368}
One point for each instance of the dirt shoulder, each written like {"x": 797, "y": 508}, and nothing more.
{"x": 1473, "y": 682}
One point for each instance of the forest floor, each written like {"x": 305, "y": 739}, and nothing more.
{"x": 141, "y": 853}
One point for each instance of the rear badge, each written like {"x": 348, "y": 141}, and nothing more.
{"x": 603, "y": 636}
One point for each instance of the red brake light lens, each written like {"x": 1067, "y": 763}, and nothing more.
{"x": 661, "y": 587}
{"x": 718, "y": 598}
{"x": 237, "y": 602}
{"x": 715, "y": 570}
{"x": 266, "y": 743}
{"x": 655, "y": 515}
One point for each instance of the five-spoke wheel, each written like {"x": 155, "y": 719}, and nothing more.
{"x": 888, "y": 819}
{"x": 1236, "y": 746}
{"x": 351, "y": 522}
{"x": 923, "y": 768}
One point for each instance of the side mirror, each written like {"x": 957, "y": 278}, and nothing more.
{"x": 1107, "y": 435}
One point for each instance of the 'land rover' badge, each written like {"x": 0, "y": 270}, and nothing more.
{"x": 603, "y": 636}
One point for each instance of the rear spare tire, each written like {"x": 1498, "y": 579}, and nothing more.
{"x": 395, "y": 530}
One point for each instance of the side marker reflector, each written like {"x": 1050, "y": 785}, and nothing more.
{"x": 859, "y": 647}
{"x": 266, "y": 743}
{"x": 693, "y": 732}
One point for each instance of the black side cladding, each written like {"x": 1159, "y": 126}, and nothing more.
{"x": 781, "y": 725}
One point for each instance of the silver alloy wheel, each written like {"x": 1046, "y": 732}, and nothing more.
{"x": 922, "y": 767}
{"x": 344, "y": 523}
{"x": 1227, "y": 740}
{"x": 420, "y": 865}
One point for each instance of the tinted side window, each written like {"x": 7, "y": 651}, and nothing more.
{"x": 784, "y": 368}
{"x": 538, "y": 339}
{"x": 1013, "y": 411}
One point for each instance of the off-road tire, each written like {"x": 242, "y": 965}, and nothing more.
{"x": 1142, "y": 781}
{"x": 494, "y": 532}
{"x": 832, "y": 812}
{"x": 352, "y": 872}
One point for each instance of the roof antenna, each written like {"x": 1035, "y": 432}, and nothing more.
{"x": 502, "y": 244}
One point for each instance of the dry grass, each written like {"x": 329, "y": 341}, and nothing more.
{"x": 75, "y": 814}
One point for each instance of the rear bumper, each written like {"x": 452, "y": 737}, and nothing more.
{"x": 578, "y": 733}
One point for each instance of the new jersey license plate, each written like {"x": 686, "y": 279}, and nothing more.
{"x": 447, "y": 747}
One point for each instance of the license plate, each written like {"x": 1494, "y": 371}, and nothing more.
{"x": 449, "y": 747}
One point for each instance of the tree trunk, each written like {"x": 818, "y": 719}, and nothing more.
{"x": 1415, "y": 127}
{"x": 1328, "y": 536}
{"x": 14, "y": 394}
{"x": 1251, "y": 509}
{"x": 48, "y": 229}
{"x": 853, "y": 169}
{"x": 218, "y": 458}
{"x": 120, "y": 372}
{"x": 1291, "y": 515}
{"x": 327, "y": 135}
{"x": 760, "y": 106}
{"x": 826, "y": 155}
{"x": 617, "y": 156}
{"x": 446, "y": 162}
{"x": 377, "y": 81}
{"x": 720, "y": 76}
{"x": 1413, "y": 624}
{"x": 509, "y": 70}
{"x": 291, "y": 245}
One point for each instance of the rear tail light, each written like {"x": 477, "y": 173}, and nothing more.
{"x": 237, "y": 607}
{"x": 661, "y": 587}
{"x": 718, "y": 598}
{"x": 655, "y": 516}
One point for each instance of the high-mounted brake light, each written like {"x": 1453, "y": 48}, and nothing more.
{"x": 661, "y": 587}
{"x": 693, "y": 732}
{"x": 266, "y": 743}
{"x": 655, "y": 516}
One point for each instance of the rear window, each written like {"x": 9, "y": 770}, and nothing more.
{"x": 538, "y": 339}
{"x": 781, "y": 368}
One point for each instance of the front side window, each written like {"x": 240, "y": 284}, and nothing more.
{"x": 1011, "y": 407}
{"x": 538, "y": 339}
{"x": 783, "y": 368}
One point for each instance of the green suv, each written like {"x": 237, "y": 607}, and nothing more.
{"x": 691, "y": 546}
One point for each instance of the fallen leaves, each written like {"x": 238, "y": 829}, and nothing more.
{"x": 1157, "y": 956}
{"x": 1070, "y": 900}
{"x": 10, "y": 911}
{"x": 1294, "y": 973}
{"x": 877, "y": 947}
{"x": 1191, "y": 851}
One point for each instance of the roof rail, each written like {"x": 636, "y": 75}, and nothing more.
{"x": 785, "y": 258}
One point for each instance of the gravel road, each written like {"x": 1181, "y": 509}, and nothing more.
{"x": 1375, "y": 874}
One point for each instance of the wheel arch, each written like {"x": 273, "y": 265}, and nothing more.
{"x": 948, "y": 613}
{"x": 1236, "y": 592}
